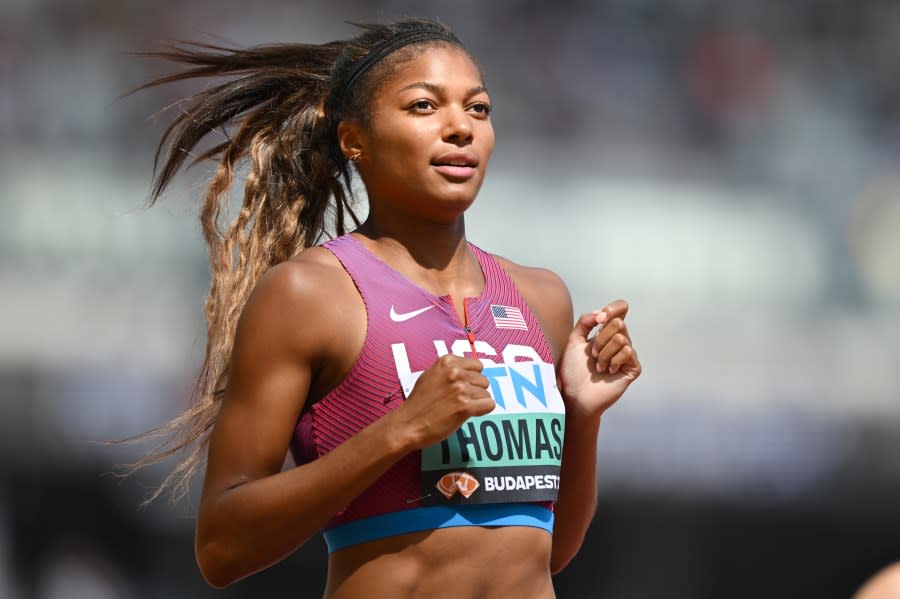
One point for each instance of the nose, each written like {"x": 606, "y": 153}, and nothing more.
{"x": 457, "y": 126}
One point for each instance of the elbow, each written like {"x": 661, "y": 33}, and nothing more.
{"x": 559, "y": 563}
{"x": 557, "y": 567}
{"x": 563, "y": 552}
{"x": 216, "y": 563}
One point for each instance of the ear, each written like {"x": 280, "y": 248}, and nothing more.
{"x": 350, "y": 137}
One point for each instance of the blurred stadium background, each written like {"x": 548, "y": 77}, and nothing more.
{"x": 731, "y": 168}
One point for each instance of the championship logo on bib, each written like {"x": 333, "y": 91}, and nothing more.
{"x": 511, "y": 454}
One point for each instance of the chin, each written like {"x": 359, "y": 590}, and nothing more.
{"x": 457, "y": 202}
{"x": 460, "y": 192}
{"x": 449, "y": 210}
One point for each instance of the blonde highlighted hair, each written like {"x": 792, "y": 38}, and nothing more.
{"x": 282, "y": 104}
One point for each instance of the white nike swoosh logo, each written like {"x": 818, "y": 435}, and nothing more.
{"x": 407, "y": 315}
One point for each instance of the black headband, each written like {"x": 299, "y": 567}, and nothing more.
{"x": 381, "y": 51}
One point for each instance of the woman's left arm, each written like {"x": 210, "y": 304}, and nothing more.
{"x": 593, "y": 372}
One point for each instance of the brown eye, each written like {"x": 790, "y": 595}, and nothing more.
{"x": 482, "y": 108}
{"x": 422, "y": 105}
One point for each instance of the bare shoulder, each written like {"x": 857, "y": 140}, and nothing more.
{"x": 302, "y": 277}
{"x": 547, "y": 296}
{"x": 284, "y": 342}
{"x": 532, "y": 278}
{"x": 307, "y": 300}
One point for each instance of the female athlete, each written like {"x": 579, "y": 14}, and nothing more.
{"x": 441, "y": 409}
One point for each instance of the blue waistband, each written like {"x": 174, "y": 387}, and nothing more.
{"x": 427, "y": 518}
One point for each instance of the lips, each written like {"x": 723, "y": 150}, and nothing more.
{"x": 457, "y": 165}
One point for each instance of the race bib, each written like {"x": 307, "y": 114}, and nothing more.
{"x": 512, "y": 454}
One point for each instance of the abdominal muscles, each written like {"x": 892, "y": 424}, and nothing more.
{"x": 467, "y": 562}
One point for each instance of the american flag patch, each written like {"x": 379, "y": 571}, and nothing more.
{"x": 507, "y": 317}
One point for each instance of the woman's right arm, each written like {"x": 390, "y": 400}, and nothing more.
{"x": 252, "y": 514}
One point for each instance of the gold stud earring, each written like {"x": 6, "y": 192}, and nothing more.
{"x": 355, "y": 158}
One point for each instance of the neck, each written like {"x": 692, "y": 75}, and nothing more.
{"x": 431, "y": 245}
{"x": 434, "y": 255}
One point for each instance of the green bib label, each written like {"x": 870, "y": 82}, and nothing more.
{"x": 511, "y": 454}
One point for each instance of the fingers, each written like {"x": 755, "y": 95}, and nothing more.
{"x": 446, "y": 394}
{"x": 584, "y": 326}
{"x": 461, "y": 362}
{"x": 615, "y": 309}
{"x": 609, "y": 312}
{"x": 612, "y": 348}
{"x": 612, "y": 344}
{"x": 480, "y": 384}
{"x": 608, "y": 331}
{"x": 483, "y": 405}
{"x": 466, "y": 372}
{"x": 472, "y": 389}
{"x": 624, "y": 358}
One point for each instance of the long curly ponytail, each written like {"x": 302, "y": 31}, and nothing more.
{"x": 282, "y": 104}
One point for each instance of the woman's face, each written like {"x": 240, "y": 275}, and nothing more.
{"x": 429, "y": 139}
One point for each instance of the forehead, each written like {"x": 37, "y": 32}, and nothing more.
{"x": 442, "y": 64}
